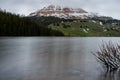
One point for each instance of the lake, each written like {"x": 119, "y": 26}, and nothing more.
{"x": 52, "y": 58}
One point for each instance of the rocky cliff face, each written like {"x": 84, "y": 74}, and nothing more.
{"x": 62, "y": 12}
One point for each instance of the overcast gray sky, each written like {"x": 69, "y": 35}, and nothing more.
{"x": 102, "y": 7}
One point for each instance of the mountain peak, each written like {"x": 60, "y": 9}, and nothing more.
{"x": 61, "y": 12}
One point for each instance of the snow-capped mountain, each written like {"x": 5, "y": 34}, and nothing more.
{"x": 62, "y": 12}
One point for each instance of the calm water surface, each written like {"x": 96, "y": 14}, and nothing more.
{"x": 50, "y": 58}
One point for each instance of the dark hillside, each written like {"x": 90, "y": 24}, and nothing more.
{"x": 14, "y": 25}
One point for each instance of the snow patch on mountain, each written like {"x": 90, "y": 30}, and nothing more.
{"x": 63, "y": 12}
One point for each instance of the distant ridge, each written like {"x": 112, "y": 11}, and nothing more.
{"x": 62, "y": 12}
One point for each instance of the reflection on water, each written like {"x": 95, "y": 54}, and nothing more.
{"x": 110, "y": 76}
{"x": 52, "y": 59}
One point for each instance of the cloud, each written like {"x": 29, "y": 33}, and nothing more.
{"x": 103, "y": 7}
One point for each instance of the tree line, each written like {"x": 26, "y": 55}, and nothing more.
{"x": 14, "y": 25}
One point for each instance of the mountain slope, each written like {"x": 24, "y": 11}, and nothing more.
{"x": 14, "y": 25}
{"x": 62, "y": 12}
{"x": 88, "y": 27}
